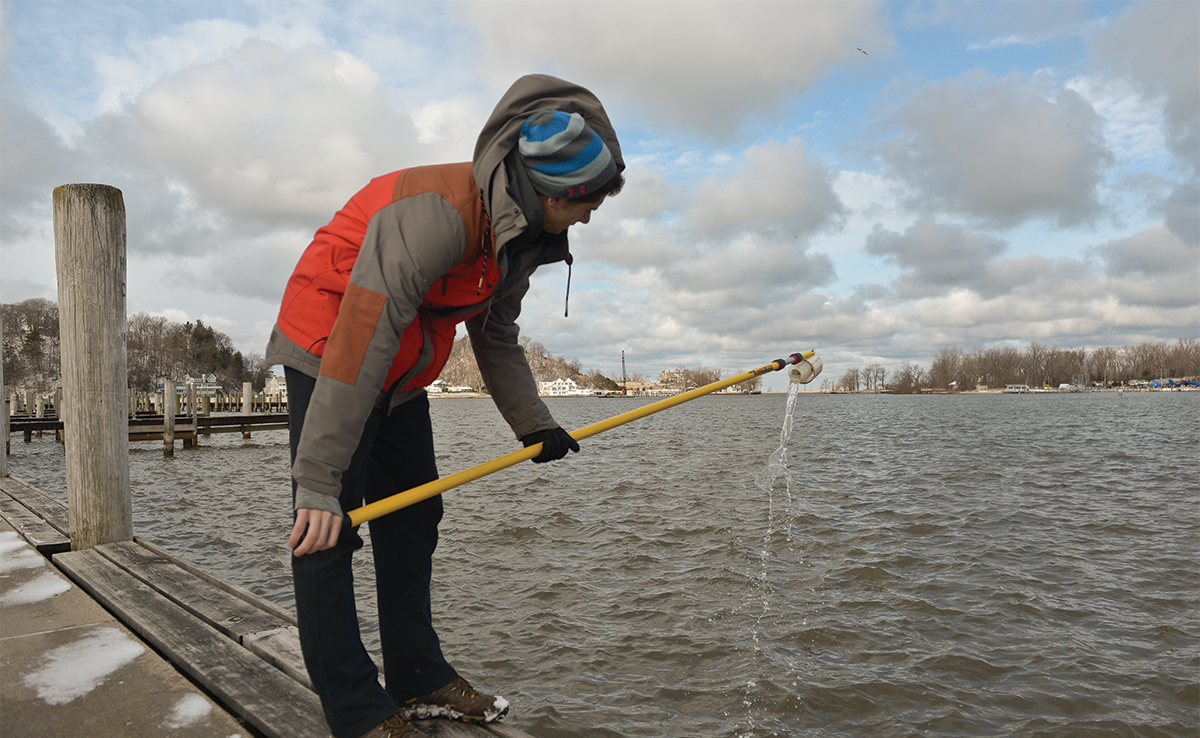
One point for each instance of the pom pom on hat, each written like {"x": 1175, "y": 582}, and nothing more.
{"x": 564, "y": 156}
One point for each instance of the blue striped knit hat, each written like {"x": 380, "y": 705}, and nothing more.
{"x": 564, "y": 156}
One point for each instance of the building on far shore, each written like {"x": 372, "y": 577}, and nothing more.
{"x": 562, "y": 388}
{"x": 439, "y": 385}
{"x": 205, "y": 384}
{"x": 276, "y": 386}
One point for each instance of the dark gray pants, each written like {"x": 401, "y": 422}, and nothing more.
{"x": 395, "y": 454}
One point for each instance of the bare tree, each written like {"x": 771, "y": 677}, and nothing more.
{"x": 146, "y": 340}
{"x": 1102, "y": 361}
{"x": 849, "y": 381}
{"x": 753, "y": 384}
{"x": 946, "y": 369}
{"x": 908, "y": 378}
{"x": 699, "y": 376}
{"x": 31, "y": 345}
{"x": 1186, "y": 357}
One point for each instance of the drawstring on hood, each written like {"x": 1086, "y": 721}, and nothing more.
{"x": 567, "y": 300}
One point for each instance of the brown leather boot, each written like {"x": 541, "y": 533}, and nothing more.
{"x": 458, "y": 700}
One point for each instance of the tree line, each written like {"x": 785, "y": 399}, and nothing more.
{"x": 157, "y": 348}
{"x": 1036, "y": 365}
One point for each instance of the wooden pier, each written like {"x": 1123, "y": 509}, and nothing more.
{"x": 241, "y": 649}
{"x": 152, "y": 427}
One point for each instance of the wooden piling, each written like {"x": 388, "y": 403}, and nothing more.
{"x": 247, "y": 402}
{"x": 194, "y": 414}
{"x": 3, "y": 451}
{"x": 169, "y": 417}
{"x": 89, "y": 250}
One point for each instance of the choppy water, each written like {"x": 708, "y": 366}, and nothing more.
{"x": 977, "y": 565}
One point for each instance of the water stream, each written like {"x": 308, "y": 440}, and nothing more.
{"x": 774, "y": 475}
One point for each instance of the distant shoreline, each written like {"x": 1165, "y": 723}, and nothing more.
{"x": 938, "y": 393}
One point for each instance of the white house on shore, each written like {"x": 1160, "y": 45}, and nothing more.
{"x": 276, "y": 386}
{"x": 440, "y": 386}
{"x": 205, "y": 384}
{"x": 561, "y": 387}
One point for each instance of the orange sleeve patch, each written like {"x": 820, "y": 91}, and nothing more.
{"x": 351, "y": 334}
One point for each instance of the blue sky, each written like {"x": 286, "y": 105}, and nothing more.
{"x": 986, "y": 173}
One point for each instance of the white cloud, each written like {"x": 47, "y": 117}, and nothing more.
{"x": 140, "y": 60}
{"x": 1153, "y": 267}
{"x": 700, "y": 67}
{"x": 1133, "y": 125}
{"x": 1006, "y": 206}
{"x": 776, "y": 189}
{"x": 997, "y": 25}
{"x": 265, "y": 134}
{"x": 1000, "y": 152}
{"x": 1154, "y": 44}
{"x": 935, "y": 256}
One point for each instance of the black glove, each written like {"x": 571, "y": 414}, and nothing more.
{"x": 555, "y": 444}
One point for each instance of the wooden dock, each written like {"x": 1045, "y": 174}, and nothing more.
{"x": 241, "y": 649}
{"x": 152, "y": 428}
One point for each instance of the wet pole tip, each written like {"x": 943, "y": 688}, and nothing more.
{"x": 805, "y": 370}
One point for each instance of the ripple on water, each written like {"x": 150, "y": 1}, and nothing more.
{"x": 930, "y": 566}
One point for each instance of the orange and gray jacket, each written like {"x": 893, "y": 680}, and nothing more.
{"x": 371, "y": 307}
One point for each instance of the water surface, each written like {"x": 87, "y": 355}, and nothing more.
{"x": 974, "y": 565}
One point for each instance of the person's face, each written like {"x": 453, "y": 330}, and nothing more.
{"x": 559, "y": 214}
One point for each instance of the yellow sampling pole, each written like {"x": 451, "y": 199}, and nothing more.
{"x": 421, "y": 492}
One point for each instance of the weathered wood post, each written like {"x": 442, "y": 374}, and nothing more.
{"x": 89, "y": 250}
{"x": 247, "y": 400}
{"x": 25, "y": 411}
{"x": 3, "y": 401}
{"x": 194, "y": 441}
{"x": 169, "y": 417}
{"x": 58, "y": 434}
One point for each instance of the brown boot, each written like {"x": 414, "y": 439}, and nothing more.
{"x": 397, "y": 726}
{"x": 458, "y": 700}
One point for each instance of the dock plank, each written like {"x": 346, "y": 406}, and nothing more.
{"x": 230, "y": 587}
{"x": 45, "y": 538}
{"x": 53, "y": 511}
{"x": 233, "y": 616}
{"x": 265, "y": 697}
{"x": 280, "y": 647}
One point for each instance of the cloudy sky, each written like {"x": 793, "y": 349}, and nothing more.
{"x": 872, "y": 180}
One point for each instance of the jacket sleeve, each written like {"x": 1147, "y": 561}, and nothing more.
{"x": 408, "y": 245}
{"x": 502, "y": 363}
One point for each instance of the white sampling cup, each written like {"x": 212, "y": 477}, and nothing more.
{"x": 806, "y": 371}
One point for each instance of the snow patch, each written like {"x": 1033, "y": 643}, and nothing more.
{"x": 9, "y": 541}
{"x": 189, "y": 710}
{"x": 15, "y": 554}
{"x": 77, "y": 668}
{"x": 45, "y": 586}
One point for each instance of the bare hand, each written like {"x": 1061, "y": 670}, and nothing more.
{"x": 315, "y": 530}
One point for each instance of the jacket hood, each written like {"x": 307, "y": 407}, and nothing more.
{"x": 503, "y": 182}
